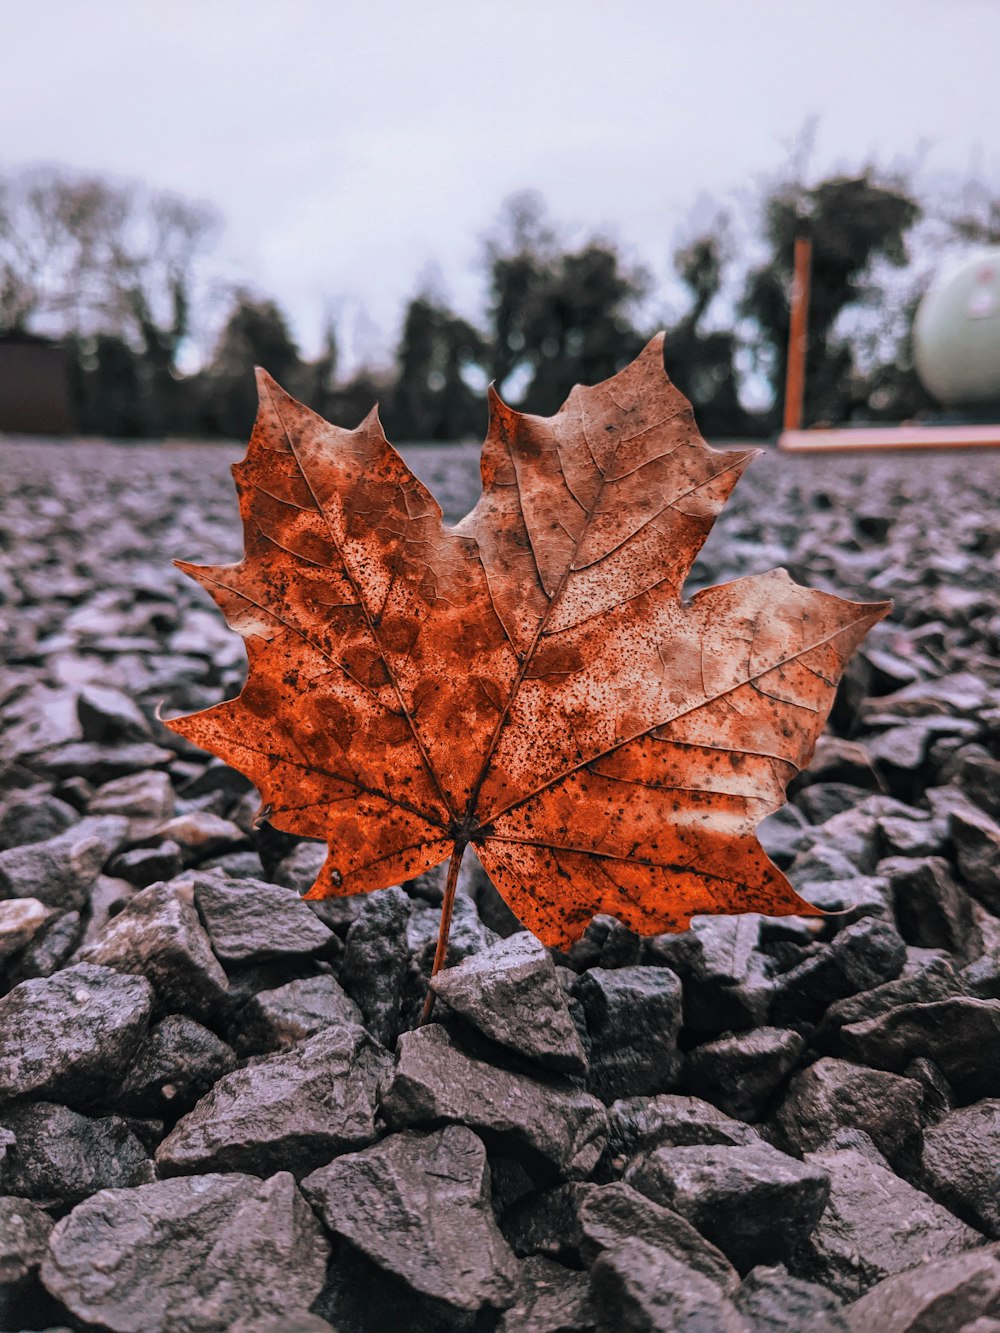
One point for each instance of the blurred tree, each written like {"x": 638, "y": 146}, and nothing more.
{"x": 430, "y": 399}
{"x": 557, "y": 318}
{"x": 255, "y": 334}
{"x": 852, "y": 221}
{"x": 702, "y": 362}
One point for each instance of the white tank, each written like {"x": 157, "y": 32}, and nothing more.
{"x": 956, "y": 334}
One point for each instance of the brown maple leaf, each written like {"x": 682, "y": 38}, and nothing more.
{"x": 530, "y": 681}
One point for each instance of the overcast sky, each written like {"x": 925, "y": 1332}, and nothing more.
{"x": 353, "y": 148}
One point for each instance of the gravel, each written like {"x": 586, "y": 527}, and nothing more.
{"x": 754, "y": 1125}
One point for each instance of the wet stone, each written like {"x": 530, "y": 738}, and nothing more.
{"x": 931, "y": 910}
{"x": 107, "y": 714}
{"x": 835, "y": 1094}
{"x": 177, "y": 1064}
{"x": 24, "y": 1234}
{"x": 939, "y": 1294}
{"x": 250, "y": 920}
{"x": 773, "y": 1301}
{"x": 633, "y": 1016}
{"x": 874, "y": 1225}
{"x": 725, "y": 981}
{"x": 59, "y": 872}
{"x": 637, "y": 1125}
{"x": 274, "y": 1020}
{"x": 510, "y": 993}
{"x": 552, "y": 1126}
{"x": 953, "y": 1033}
{"x": 289, "y": 1111}
{"x": 934, "y": 979}
{"x": 549, "y": 1299}
{"x": 60, "y": 1157}
{"x": 33, "y": 818}
{"x": 961, "y": 1163}
{"x": 70, "y": 1036}
{"x": 638, "y": 1288}
{"x": 740, "y": 1073}
{"x": 376, "y": 961}
{"x": 861, "y": 956}
{"x": 142, "y": 866}
{"x": 977, "y": 846}
{"x": 214, "y": 1249}
{"x": 755, "y": 1203}
{"x": 158, "y": 934}
{"x": 411, "y": 1204}
{"x": 144, "y": 795}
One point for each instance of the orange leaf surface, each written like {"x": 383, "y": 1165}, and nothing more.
{"x": 531, "y": 681}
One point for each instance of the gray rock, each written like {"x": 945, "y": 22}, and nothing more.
{"x": 24, "y": 1236}
{"x": 107, "y": 714}
{"x": 934, "y": 979}
{"x": 854, "y": 896}
{"x": 755, "y": 1203}
{"x": 861, "y": 956}
{"x": 34, "y": 817}
{"x": 775, "y": 1302}
{"x": 934, "y": 1297}
{"x": 158, "y": 934}
{"x": 250, "y": 920}
{"x": 178, "y": 1063}
{"x": 143, "y": 795}
{"x": 726, "y": 986}
{"x": 977, "y": 846}
{"x": 909, "y": 837}
{"x": 509, "y": 993}
{"x": 414, "y": 1203}
{"x": 637, "y": 1125}
{"x": 573, "y": 1223}
{"x": 289, "y": 1111}
{"x": 977, "y": 773}
{"x": 142, "y": 866}
{"x": 50, "y": 949}
{"x": 874, "y": 1225}
{"x": 376, "y": 962}
{"x": 200, "y": 834}
{"x": 633, "y": 1016}
{"x": 740, "y": 1073}
{"x": 274, "y": 1020}
{"x": 60, "y": 1157}
{"x": 99, "y": 763}
{"x": 298, "y": 870}
{"x": 212, "y": 1249}
{"x": 637, "y": 1288}
{"x": 953, "y": 1033}
{"x": 559, "y": 1126}
{"x": 70, "y": 1036}
{"x": 834, "y": 1094}
{"x": 21, "y": 920}
{"x": 932, "y": 911}
{"x": 961, "y": 1162}
{"x": 549, "y": 1299}
{"x": 59, "y": 872}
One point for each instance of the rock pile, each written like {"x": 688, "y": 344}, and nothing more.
{"x": 215, "y": 1109}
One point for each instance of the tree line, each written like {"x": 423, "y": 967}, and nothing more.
{"x": 114, "y": 269}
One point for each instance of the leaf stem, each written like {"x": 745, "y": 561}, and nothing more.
{"x": 447, "y": 906}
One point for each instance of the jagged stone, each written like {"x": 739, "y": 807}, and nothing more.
{"x": 938, "y": 1294}
{"x": 509, "y": 993}
{"x": 755, "y": 1203}
{"x": 178, "y": 1063}
{"x": 158, "y": 934}
{"x": 60, "y": 1156}
{"x": 59, "y": 872}
{"x": 961, "y": 1163}
{"x": 289, "y": 1111}
{"x": 70, "y": 1036}
{"x": 250, "y": 920}
{"x": 633, "y": 1016}
{"x": 554, "y": 1125}
{"x": 637, "y": 1288}
{"x": 411, "y": 1204}
{"x": 874, "y": 1225}
{"x": 209, "y": 1250}
{"x": 274, "y": 1020}
{"x": 740, "y": 1073}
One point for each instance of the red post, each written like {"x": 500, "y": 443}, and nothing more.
{"x": 798, "y": 335}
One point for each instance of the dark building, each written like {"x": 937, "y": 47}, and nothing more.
{"x": 34, "y": 386}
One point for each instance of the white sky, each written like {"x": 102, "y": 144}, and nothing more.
{"x": 353, "y": 145}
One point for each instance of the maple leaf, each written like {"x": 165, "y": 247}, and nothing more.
{"x": 530, "y": 681}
